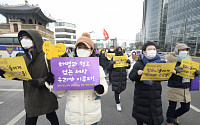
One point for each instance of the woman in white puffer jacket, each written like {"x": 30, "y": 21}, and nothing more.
{"x": 83, "y": 107}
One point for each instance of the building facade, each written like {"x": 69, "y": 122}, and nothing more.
{"x": 183, "y": 24}
{"x": 25, "y": 17}
{"x": 64, "y": 32}
{"x": 154, "y": 21}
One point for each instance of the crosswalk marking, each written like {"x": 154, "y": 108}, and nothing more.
{"x": 17, "y": 90}
{"x": 1, "y": 103}
{"x": 16, "y": 118}
{"x": 195, "y": 108}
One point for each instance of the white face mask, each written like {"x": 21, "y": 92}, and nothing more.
{"x": 106, "y": 50}
{"x": 111, "y": 50}
{"x": 151, "y": 53}
{"x": 183, "y": 53}
{"x": 26, "y": 43}
{"x": 83, "y": 53}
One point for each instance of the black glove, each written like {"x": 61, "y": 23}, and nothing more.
{"x": 99, "y": 89}
{"x": 1, "y": 73}
{"x": 197, "y": 73}
{"x": 33, "y": 82}
{"x": 128, "y": 61}
{"x": 178, "y": 69}
{"x": 50, "y": 78}
{"x": 112, "y": 62}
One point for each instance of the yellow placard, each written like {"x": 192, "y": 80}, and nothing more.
{"x": 158, "y": 71}
{"x": 120, "y": 61}
{"x": 103, "y": 51}
{"x": 189, "y": 68}
{"x": 110, "y": 55}
{"x": 14, "y": 67}
{"x": 56, "y": 51}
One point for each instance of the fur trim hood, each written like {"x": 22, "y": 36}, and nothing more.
{"x": 170, "y": 58}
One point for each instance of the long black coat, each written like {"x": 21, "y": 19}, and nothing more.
{"x": 37, "y": 101}
{"x": 103, "y": 61}
{"x": 119, "y": 77}
{"x": 147, "y": 98}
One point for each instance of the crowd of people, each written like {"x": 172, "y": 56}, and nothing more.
{"x": 83, "y": 107}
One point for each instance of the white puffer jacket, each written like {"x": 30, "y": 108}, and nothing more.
{"x": 83, "y": 107}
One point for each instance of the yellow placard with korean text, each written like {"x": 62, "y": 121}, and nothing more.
{"x": 189, "y": 68}
{"x": 120, "y": 61}
{"x": 158, "y": 71}
{"x": 14, "y": 67}
{"x": 110, "y": 55}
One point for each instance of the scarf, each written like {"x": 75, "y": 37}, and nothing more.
{"x": 179, "y": 58}
{"x": 146, "y": 60}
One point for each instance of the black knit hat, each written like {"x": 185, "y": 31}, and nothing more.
{"x": 144, "y": 47}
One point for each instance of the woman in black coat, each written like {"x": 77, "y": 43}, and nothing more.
{"x": 147, "y": 107}
{"x": 119, "y": 77}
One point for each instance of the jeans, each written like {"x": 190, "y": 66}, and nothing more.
{"x": 173, "y": 113}
{"x": 52, "y": 117}
{"x": 117, "y": 98}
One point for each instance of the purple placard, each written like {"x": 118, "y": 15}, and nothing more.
{"x": 97, "y": 52}
{"x": 75, "y": 73}
{"x": 135, "y": 57}
{"x": 194, "y": 84}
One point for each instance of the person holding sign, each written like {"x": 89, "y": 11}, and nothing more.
{"x": 119, "y": 77}
{"x": 83, "y": 107}
{"x": 103, "y": 61}
{"x": 37, "y": 98}
{"x": 111, "y": 50}
{"x": 178, "y": 87}
{"x": 147, "y": 107}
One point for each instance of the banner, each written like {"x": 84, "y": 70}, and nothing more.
{"x": 120, "y": 61}
{"x": 14, "y": 67}
{"x": 158, "y": 71}
{"x": 189, "y": 68}
{"x": 110, "y": 55}
{"x": 75, "y": 73}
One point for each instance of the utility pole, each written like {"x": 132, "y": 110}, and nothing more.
{"x": 197, "y": 41}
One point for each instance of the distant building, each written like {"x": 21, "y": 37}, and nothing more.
{"x": 183, "y": 24}
{"x": 154, "y": 21}
{"x": 64, "y": 32}
{"x": 139, "y": 36}
{"x": 25, "y": 17}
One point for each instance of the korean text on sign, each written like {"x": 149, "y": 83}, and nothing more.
{"x": 158, "y": 71}
{"x": 189, "y": 68}
{"x": 14, "y": 67}
{"x": 75, "y": 73}
{"x": 120, "y": 61}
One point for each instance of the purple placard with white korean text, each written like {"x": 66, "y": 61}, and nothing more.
{"x": 75, "y": 73}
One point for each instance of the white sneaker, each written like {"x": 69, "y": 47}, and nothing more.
{"x": 119, "y": 97}
{"x": 119, "y": 107}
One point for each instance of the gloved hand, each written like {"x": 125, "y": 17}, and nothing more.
{"x": 1, "y": 73}
{"x": 128, "y": 61}
{"x": 99, "y": 89}
{"x": 33, "y": 82}
{"x": 197, "y": 73}
{"x": 112, "y": 62}
{"x": 178, "y": 69}
{"x": 50, "y": 78}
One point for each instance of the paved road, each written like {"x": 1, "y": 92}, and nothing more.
{"x": 11, "y": 106}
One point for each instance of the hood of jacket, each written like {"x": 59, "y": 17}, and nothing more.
{"x": 117, "y": 53}
{"x": 170, "y": 57}
{"x": 37, "y": 40}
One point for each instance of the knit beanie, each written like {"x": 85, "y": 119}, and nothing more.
{"x": 180, "y": 46}
{"x": 85, "y": 38}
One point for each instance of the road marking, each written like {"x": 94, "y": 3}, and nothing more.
{"x": 195, "y": 108}
{"x": 16, "y": 118}
{"x": 1, "y": 103}
{"x": 18, "y": 90}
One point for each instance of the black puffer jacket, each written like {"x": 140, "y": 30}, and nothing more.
{"x": 119, "y": 76}
{"x": 147, "y": 99}
{"x": 103, "y": 61}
